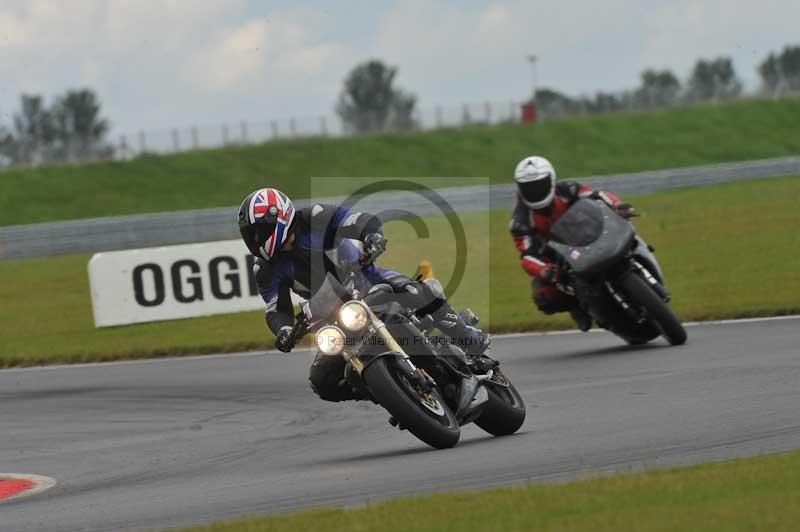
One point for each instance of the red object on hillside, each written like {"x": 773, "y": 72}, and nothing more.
{"x": 528, "y": 113}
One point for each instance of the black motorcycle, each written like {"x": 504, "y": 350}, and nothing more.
{"x": 426, "y": 383}
{"x": 613, "y": 273}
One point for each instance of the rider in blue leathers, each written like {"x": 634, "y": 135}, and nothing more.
{"x": 293, "y": 251}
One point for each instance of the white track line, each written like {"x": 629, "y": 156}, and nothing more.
{"x": 687, "y": 324}
{"x": 42, "y": 484}
{"x": 308, "y": 349}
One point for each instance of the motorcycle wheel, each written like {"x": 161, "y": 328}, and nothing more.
{"x": 640, "y": 294}
{"x": 426, "y": 416}
{"x": 504, "y": 413}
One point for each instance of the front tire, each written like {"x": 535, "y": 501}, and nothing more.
{"x": 426, "y": 416}
{"x": 641, "y": 295}
{"x": 504, "y": 413}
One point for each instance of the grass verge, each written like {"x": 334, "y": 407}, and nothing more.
{"x": 728, "y": 251}
{"x": 741, "y": 495}
{"x": 578, "y": 146}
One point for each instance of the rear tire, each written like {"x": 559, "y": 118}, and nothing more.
{"x": 434, "y": 424}
{"x": 640, "y": 294}
{"x": 504, "y": 413}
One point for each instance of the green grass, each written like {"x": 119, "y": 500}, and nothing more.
{"x": 742, "y": 495}
{"x": 728, "y": 251}
{"x": 578, "y": 147}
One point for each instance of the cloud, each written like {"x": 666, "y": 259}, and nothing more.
{"x": 165, "y": 63}
{"x": 169, "y": 62}
{"x": 265, "y": 54}
{"x": 452, "y": 52}
{"x": 234, "y": 59}
{"x": 683, "y": 30}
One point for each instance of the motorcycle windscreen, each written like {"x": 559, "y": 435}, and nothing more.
{"x": 590, "y": 237}
{"x": 327, "y": 299}
{"x": 581, "y": 225}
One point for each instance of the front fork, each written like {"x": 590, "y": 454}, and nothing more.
{"x": 658, "y": 288}
{"x": 417, "y": 376}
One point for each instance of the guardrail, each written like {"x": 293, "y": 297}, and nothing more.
{"x": 158, "y": 229}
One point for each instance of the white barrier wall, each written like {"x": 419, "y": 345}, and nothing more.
{"x": 172, "y": 282}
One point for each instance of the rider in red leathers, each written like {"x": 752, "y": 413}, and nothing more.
{"x": 540, "y": 202}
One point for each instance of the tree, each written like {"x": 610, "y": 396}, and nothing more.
{"x": 770, "y": 73}
{"x": 33, "y": 131}
{"x": 781, "y": 72}
{"x": 658, "y": 89}
{"x": 551, "y": 103}
{"x": 70, "y": 130}
{"x": 607, "y": 102}
{"x": 714, "y": 80}
{"x": 790, "y": 67}
{"x": 370, "y": 102}
{"x": 78, "y": 125}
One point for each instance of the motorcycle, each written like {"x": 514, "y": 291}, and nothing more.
{"x": 613, "y": 273}
{"x": 426, "y": 383}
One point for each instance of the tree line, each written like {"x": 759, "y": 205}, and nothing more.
{"x": 71, "y": 129}
{"x": 710, "y": 80}
{"x": 371, "y": 102}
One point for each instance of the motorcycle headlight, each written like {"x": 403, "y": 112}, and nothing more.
{"x": 354, "y": 316}
{"x": 330, "y": 340}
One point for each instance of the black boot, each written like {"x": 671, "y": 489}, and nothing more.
{"x": 471, "y": 339}
{"x": 582, "y": 318}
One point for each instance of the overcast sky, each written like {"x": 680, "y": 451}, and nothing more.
{"x": 164, "y": 63}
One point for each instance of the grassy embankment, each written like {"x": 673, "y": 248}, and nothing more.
{"x": 579, "y": 147}
{"x": 728, "y": 251}
{"x": 742, "y": 495}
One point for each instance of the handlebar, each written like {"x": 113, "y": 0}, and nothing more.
{"x": 301, "y": 324}
{"x": 377, "y": 247}
{"x": 626, "y": 211}
{"x": 370, "y": 258}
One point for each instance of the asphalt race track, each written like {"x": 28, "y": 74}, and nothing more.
{"x": 183, "y": 441}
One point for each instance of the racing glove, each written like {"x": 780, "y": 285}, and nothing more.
{"x": 374, "y": 245}
{"x": 283, "y": 340}
{"x": 626, "y": 210}
{"x": 550, "y": 274}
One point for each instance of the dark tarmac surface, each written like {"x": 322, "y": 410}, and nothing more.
{"x": 184, "y": 441}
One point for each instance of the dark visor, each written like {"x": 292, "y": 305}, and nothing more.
{"x": 535, "y": 191}
{"x": 255, "y": 235}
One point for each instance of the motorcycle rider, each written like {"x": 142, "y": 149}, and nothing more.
{"x": 292, "y": 250}
{"x": 540, "y": 202}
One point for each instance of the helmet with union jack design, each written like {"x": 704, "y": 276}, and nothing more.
{"x": 265, "y": 221}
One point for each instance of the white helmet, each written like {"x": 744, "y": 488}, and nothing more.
{"x": 536, "y": 181}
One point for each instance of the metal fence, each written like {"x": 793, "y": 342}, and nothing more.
{"x": 144, "y": 230}
{"x": 206, "y": 136}
{"x": 242, "y": 133}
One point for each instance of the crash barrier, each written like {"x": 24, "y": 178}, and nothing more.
{"x": 158, "y": 229}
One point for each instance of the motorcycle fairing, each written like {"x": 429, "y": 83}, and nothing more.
{"x": 590, "y": 237}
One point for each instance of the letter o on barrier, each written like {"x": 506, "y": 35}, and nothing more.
{"x": 232, "y": 277}
{"x": 158, "y": 284}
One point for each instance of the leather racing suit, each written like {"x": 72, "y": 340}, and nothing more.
{"x": 530, "y": 230}
{"x": 318, "y": 230}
